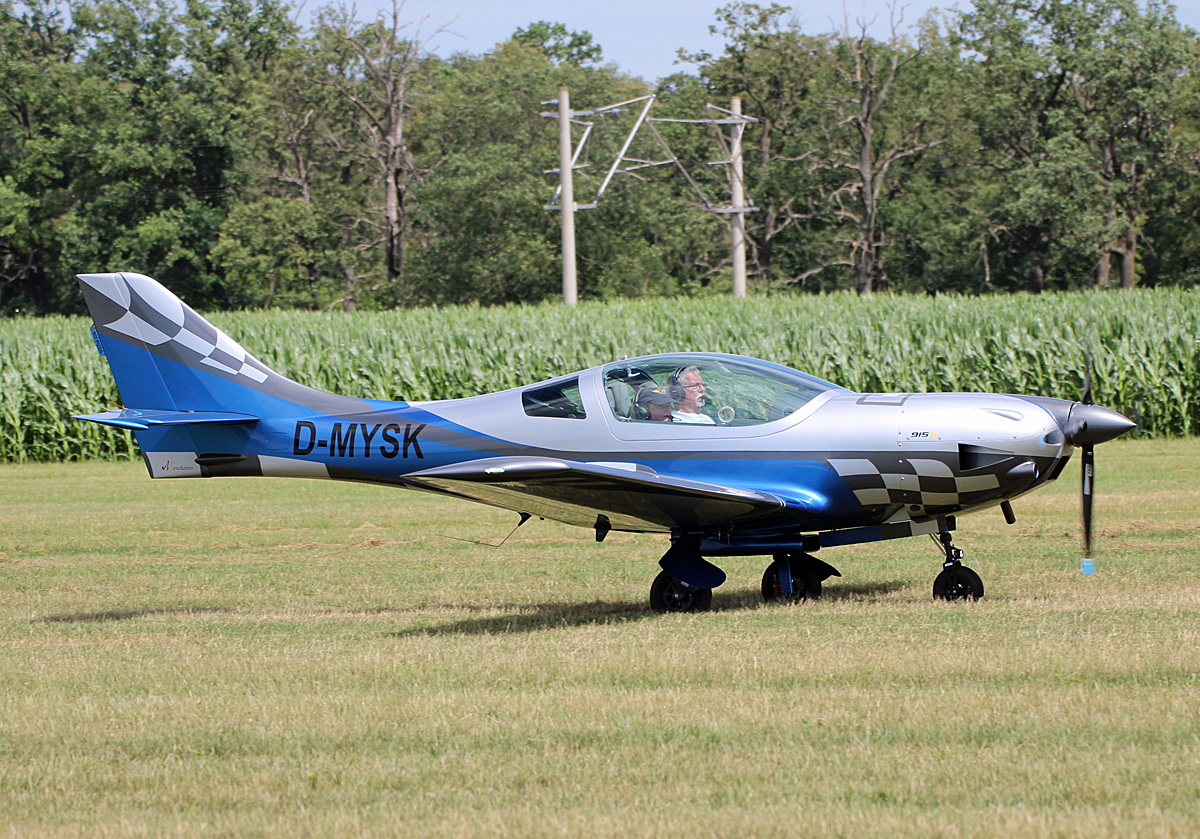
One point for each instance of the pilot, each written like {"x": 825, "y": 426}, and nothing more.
{"x": 687, "y": 388}
{"x": 655, "y": 402}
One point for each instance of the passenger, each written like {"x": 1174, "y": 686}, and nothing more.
{"x": 686, "y": 387}
{"x": 655, "y": 402}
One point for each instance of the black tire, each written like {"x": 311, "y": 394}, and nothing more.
{"x": 958, "y": 583}
{"x": 804, "y": 586}
{"x": 668, "y": 594}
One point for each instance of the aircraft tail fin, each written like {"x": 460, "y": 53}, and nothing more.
{"x": 163, "y": 355}
{"x": 187, "y": 389}
{"x": 166, "y": 357}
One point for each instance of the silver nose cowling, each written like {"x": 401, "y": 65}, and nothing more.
{"x": 1087, "y": 425}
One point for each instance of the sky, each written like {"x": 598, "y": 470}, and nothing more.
{"x": 640, "y": 37}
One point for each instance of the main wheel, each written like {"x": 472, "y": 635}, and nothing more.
{"x": 805, "y": 586}
{"x": 668, "y": 594}
{"x": 958, "y": 583}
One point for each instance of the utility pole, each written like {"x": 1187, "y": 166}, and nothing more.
{"x": 567, "y": 201}
{"x": 564, "y": 197}
{"x": 738, "y": 228}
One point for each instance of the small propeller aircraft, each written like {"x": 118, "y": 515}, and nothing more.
{"x": 731, "y": 456}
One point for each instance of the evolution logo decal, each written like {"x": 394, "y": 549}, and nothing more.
{"x": 172, "y": 465}
{"x": 389, "y": 440}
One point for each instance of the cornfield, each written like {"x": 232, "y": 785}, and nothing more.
{"x": 1145, "y": 347}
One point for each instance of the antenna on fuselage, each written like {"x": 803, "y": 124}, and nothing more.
{"x": 524, "y": 518}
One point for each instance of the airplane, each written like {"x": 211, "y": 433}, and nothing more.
{"x": 770, "y": 461}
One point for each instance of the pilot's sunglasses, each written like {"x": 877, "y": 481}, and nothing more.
{"x": 700, "y": 386}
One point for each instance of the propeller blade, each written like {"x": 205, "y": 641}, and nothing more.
{"x": 1089, "y": 473}
{"x": 1086, "y": 397}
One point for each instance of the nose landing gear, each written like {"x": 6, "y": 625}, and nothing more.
{"x": 957, "y": 581}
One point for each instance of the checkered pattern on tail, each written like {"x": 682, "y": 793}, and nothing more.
{"x": 137, "y": 307}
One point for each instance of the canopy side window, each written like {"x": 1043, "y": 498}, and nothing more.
{"x": 558, "y": 399}
{"x": 704, "y": 390}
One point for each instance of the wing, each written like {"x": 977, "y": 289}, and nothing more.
{"x": 607, "y": 496}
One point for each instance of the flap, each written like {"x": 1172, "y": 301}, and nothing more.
{"x": 628, "y": 496}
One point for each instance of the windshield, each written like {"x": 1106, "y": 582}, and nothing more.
{"x": 707, "y": 390}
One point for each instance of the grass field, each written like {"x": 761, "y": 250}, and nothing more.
{"x": 295, "y": 658}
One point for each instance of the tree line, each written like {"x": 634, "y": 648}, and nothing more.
{"x": 251, "y": 161}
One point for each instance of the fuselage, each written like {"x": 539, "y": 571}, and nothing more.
{"x": 840, "y": 460}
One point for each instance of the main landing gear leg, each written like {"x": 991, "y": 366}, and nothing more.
{"x": 957, "y": 581}
{"x": 687, "y": 578}
{"x": 795, "y": 577}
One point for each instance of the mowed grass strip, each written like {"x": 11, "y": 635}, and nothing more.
{"x": 298, "y": 658}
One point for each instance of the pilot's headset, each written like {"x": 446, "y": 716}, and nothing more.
{"x": 675, "y": 388}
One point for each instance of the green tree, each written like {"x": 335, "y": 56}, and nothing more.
{"x": 265, "y": 253}
{"x": 559, "y": 44}
{"x": 779, "y": 73}
{"x": 1075, "y": 95}
{"x": 1130, "y": 60}
{"x": 838, "y": 119}
{"x": 485, "y": 235}
{"x": 869, "y": 131}
{"x": 935, "y": 217}
{"x": 376, "y": 79}
{"x": 39, "y": 49}
{"x": 125, "y": 126}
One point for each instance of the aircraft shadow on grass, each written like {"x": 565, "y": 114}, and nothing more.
{"x": 517, "y": 617}
{"x": 537, "y": 617}
{"x": 127, "y": 614}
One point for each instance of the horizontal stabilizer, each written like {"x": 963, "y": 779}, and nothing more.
{"x": 141, "y": 420}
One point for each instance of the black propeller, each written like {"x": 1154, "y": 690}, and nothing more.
{"x": 1088, "y": 462}
{"x": 1086, "y": 425}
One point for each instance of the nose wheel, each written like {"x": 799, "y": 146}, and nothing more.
{"x": 957, "y": 581}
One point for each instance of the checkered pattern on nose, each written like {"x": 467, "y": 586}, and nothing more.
{"x": 138, "y": 307}
{"x": 913, "y": 481}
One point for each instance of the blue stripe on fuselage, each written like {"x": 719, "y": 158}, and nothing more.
{"x": 809, "y": 488}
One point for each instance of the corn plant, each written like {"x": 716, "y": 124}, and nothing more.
{"x": 1145, "y": 349}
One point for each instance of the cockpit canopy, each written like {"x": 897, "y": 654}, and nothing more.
{"x": 709, "y": 389}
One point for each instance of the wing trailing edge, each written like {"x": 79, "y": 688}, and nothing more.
{"x": 635, "y": 499}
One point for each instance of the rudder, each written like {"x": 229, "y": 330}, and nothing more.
{"x": 160, "y": 351}
{"x": 191, "y": 393}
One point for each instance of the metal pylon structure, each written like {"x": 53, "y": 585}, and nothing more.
{"x": 568, "y": 160}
